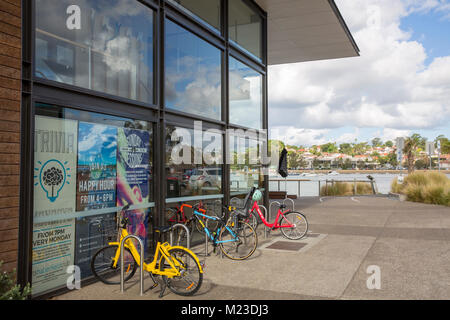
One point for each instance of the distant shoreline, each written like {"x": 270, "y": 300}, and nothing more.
{"x": 364, "y": 171}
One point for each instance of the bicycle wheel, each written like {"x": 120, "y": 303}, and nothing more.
{"x": 102, "y": 265}
{"x": 238, "y": 241}
{"x": 300, "y": 227}
{"x": 190, "y": 279}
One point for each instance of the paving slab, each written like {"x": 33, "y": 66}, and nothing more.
{"x": 409, "y": 242}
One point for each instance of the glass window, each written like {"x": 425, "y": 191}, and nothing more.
{"x": 103, "y": 45}
{"x": 193, "y": 73}
{"x": 87, "y": 166}
{"x": 245, "y": 95}
{"x": 245, "y": 27}
{"x": 245, "y": 164}
{"x": 193, "y": 162}
{"x": 207, "y": 10}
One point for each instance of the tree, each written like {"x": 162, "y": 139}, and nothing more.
{"x": 293, "y": 160}
{"x": 389, "y": 144}
{"x": 377, "y": 142}
{"x": 346, "y": 148}
{"x": 445, "y": 144}
{"x": 410, "y": 150}
{"x": 347, "y": 164}
{"x": 421, "y": 164}
{"x": 329, "y": 147}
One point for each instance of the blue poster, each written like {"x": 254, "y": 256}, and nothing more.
{"x": 96, "y": 172}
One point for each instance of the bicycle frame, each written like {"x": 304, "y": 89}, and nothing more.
{"x": 208, "y": 232}
{"x": 275, "y": 224}
{"x": 161, "y": 251}
{"x": 179, "y": 215}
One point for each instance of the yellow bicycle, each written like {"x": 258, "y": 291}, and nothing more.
{"x": 179, "y": 267}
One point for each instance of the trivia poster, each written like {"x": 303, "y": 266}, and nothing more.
{"x": 133, "y": 170}
{"x": 55, "y": 157}
{"x": 96, "y": 189}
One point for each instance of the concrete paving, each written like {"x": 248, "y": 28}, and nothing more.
{"x": 408, "y": 242}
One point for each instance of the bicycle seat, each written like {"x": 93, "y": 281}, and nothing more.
{"x": 163, "y": 229}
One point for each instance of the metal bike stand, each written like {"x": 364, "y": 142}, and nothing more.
{"x": 293, "y": 203}
{"x": 141, "y": 266}
{"x": 206, "y": 254}
{"x": 188, "y": 236}
{"x": 265, "y": 217}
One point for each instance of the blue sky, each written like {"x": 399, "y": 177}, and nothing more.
{"x": 432, "y": 30}
{"x": 398, "y": 86}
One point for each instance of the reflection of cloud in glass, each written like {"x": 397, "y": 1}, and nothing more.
{"x": 117, "y": 36}
{"x": 193, "y": 73}
{"x": 245, "y": 95}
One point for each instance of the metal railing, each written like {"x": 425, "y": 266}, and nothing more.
{"x": 141, "y": 263}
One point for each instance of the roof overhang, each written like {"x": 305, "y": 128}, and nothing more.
{"x": 306, "y": 30}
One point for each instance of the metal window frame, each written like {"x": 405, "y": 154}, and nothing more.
{"x": 41, "y": 90}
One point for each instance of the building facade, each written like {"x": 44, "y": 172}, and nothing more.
{"x": 99, "y": 97}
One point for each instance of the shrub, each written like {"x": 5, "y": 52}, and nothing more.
{"x": 425, "y": 187}
{"x": 9, "y": 290}
{"x": 339, "y": 188}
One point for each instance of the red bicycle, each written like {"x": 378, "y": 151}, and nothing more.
{"x": 292, "y": 224}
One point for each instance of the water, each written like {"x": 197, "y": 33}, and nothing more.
{"x": 311, "y": 188}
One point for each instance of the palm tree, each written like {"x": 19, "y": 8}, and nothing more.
{"x": 410, "y": 150}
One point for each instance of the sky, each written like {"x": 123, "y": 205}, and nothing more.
{"x": 399, "y": 85}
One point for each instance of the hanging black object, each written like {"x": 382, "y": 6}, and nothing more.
{"x": 282, "y": 165}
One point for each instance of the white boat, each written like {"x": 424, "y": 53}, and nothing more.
{"x": 333, "y": 173}
{"x": 307, "y": 174}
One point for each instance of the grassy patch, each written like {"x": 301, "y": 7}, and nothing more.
{"x": 425, "y": 187}
{"x": 346, "y": 189}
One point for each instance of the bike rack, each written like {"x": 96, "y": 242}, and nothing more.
{"x": 270, "y": 207}
{"x": 188, "y": 236}
{"x": 141, "y": 266}
{"x": 265, "y": 217}
{"x": 293, "y": 203}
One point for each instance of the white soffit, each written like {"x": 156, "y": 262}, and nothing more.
{"x": 306, "y": 30}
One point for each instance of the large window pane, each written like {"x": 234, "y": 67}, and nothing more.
{"x": 87, "y": 166}
{"x": 103, "y": 45}
{"x": 245, "y": 27}
{"x": 245, "y": 95}
{"x": 245, "y": 164}
{"x": 193, "y": 162}
{"x": 207, "y": 10}
{"x": 193, "y": 73}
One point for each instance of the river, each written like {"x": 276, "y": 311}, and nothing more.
{"x": 383, "y": 181}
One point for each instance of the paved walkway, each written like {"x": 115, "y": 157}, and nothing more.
{"x": 408, "y": 242}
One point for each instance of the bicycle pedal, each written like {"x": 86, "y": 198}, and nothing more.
{"x": 153, "y": 286}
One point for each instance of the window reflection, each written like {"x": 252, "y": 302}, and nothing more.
{"x": 207, "y": 10}
{"x": 244, "y": 27}
{"x": 245, "y": 95}
{"x": 245, "y": 165}
{"x": 193, "y": 73}
{"x": 103, "y": 45}
{"x": 189, "y": 171}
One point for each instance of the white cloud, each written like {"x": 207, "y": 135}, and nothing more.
{"x": 388, "y": 86}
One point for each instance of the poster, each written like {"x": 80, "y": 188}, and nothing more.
{"x": 96, "y": 172}
{"x": 54, "y": 197}
{"x": 133, "y": 171}
{"x": 96, "y": 189}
